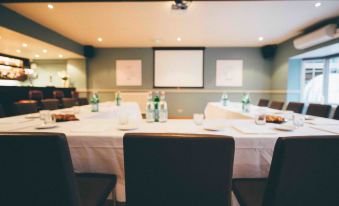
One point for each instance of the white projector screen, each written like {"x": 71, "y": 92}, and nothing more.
{"x": 179, "y": 68}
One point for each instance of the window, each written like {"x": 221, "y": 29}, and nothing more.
{"x": 320, "y": 81}
{"x": 313, "y": 71}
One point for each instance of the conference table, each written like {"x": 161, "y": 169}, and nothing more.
{"x": 96, "y": 140}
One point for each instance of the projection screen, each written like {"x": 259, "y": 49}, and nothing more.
{"x": 179, "y": 68}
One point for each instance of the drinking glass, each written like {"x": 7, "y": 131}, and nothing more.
{"x": 47, "y": 117}
{"x": 298, "y": 120}
{"x": 198, "y": 119}
{"x": 123, "y": 117}
{"x": 260, "y": 119}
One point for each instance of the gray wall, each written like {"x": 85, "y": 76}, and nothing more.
{"x": 282, "y": 65}
{"x": 257, "y": 77}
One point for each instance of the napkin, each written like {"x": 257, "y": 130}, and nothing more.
{"x": 253, "y": 129}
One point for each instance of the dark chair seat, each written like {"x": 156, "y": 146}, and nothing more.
{"x": 296, "y": 107}
{"x": 263, "y": 102}
{"x": 249, "y": 192}
{"x": 69, "y": 102}
{"x": 277, "y": 105}
{"x": 37, "y": 168}
{"x": 319, "y": 110}
{"x": 304, "y": 172}
{"x": 25, "y": 107}
{"x": 82, "y": 101}
{"x": 2, "y": 112}
{"x": 336, "y": 113}
{"x": 50, "y": 104}
{"x": 94, "y": 188}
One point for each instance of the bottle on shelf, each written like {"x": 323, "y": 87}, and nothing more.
{"x": 246, "y": 103}
{"x": 163, "y": 111}
{"x": 224, "y": 99}
{"x": 150, "y": 108}
{"x": 118, "y": 98}
{"x": 156, "y": 101}
{"x": 95, "y": 102}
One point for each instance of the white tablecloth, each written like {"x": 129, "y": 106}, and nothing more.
{"x": 96, "y": 144}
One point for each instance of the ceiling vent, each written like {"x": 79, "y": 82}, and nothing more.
{"x": 316, "y": 37}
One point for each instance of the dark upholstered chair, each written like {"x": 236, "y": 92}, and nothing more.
{"x": 336, "y": 113}
{"x": 69, "y": 102}
{"x": 263, "y": 103}
{"x": 50, "y": 104}
{"x": 25, "y": 107}
{"x": 277, "y": 105}
{"x": 304, "y": 172}
{"x": 319, "y": 110}
{"x": 2, "y": 111}
{"x": 36, "y": 169}
{"x": 36, "y": 95}
{"x": 178, "y": 169}
{"x": 82, "y": 101}
{"x": 58, "y": 94}
{"x": 296, "y": 107}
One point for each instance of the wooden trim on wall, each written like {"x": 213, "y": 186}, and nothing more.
{"x": 201, "y": 91}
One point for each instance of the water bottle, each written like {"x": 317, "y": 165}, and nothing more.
{"x": 95, "y": 102}
{"x": 224, "y": 99}
{"x": 118, "y": 98}
{"x": 163, "y": 112}
{"x": 246, "y": 103}
{"x": 149, "y": 109}
{"x": 156, "y": 107}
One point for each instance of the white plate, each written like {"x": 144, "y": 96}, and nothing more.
{"x": 284, "y": 127}
{"x": 127, "y": 127}
{"x": 215, "y": 127}
{"x": 309, "y": 117}
{"x": 46, "y": 126}
{"x": 32, "y": 116}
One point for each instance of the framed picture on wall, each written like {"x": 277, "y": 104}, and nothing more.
{"x": 229, "y": 73}
{"x": 128, "y": 73}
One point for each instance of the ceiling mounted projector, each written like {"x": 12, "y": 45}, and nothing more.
{"x": 179, "y": 5}
{"x": 316, "y": 37}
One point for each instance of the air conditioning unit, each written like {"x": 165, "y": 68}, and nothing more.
{"x": 316, "y": 37}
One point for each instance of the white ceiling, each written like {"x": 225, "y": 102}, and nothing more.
{"x": 12, "y": 43}
{"x": 214, "y": 24}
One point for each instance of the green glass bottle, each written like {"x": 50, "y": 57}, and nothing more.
{"x": 156, "y": 107}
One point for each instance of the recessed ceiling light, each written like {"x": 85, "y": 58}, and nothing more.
{"x": 44, "y": 50}
{"x": 50, "y": 6}
{"x": 18, "y": 51}
{"x": 100, "y": 39}
{"x": 37, "y": 55}
{"x": 24, "y": 45}
{"x": 318, "y": 4}
{"x": 179, "y": 39}
{"x": 0, "y": 37}
{"x": 60, "y": 55}
{"x": 261, "y": 38}
{"x": 157, "y": 41}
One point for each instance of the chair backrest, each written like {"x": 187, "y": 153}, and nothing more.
{"x": 178, "y": 169}
{"x": 68, "y": 102}
{"x": 336, "y": 113}
{"x": 36, "y": 95}
{"x": 296, "y": 107}
{"x": 75, "y": 94}
{"x": 277, "y": 105}
{"x": 58, "y": 94}
{"x": 263, "y": 103}
{"x": 25, "y": 107}
{"x": 2, "y": 111}
{"x": 320, "y": 110}
{"x": 50, "y": 104}
{"x": 82, "y": 101}
{"x": 36, "y": 169}
{"x": 304, "y": 171}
